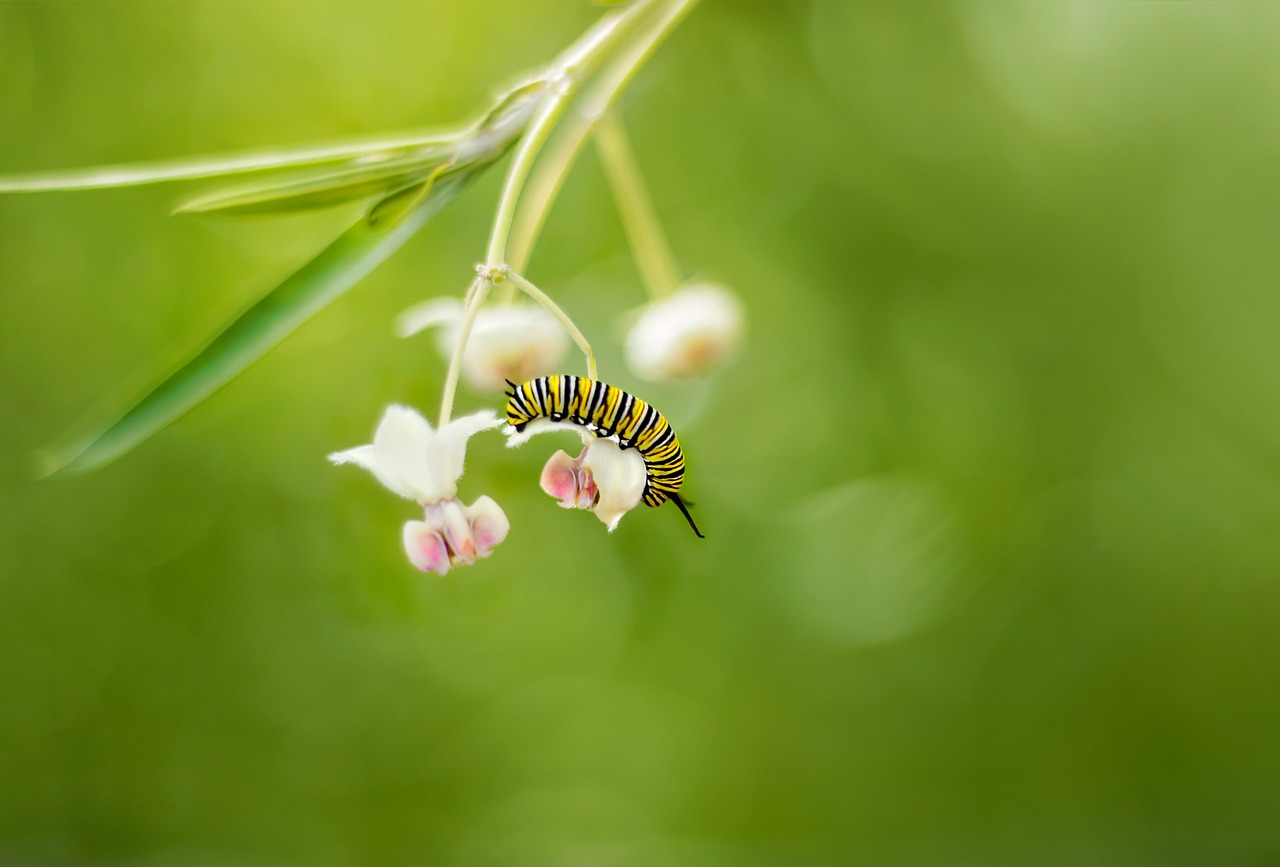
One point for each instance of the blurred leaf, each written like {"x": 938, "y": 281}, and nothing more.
{"x": 322, "y": 189}
{"x": 217, "y": 165}
{"x": 514, "y": 101}
{"x": 394, "y": 206}
{"x": 344, "y": 262}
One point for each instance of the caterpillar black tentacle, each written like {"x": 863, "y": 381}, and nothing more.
{"x": 608, "y": 411}
{"x": 675, "y": 498}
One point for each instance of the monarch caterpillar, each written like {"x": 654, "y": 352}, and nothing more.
{"x": 608, "y": 411}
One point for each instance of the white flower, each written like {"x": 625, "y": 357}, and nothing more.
{"x": 508, "y": 341}
{"x": 416, "y": 461}
{"x": 687, "y": 334}
{"x": 605, "y": 478}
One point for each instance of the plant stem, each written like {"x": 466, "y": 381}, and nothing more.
{"x": 471, "y": 307}
{"x": 552, "y": 170}
{"x": 554, "y": 309}
{"x": 562, "y": 82}
{"x": 657, "y": 264}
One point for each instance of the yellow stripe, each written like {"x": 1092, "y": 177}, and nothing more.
{"x": 612, "y": 398}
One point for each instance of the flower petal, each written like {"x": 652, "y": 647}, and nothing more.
{"x": 453, "y": 524}
{"x": 403, "y": 444}
{"x": 540, "y": 426}
{"x": 515, "y": 342}
{"x": 685, "y": 335}
{"x": 449, "y": 451}
{"x": 425, "y": 547}
{"x": 361, "y": 456}
{"x": 619, "y": 476}
{"x": 560, "y": 478}
{"x": 428, "y": 314}
{"x": 489, "y": 525}
{"x": 510, "y": 341}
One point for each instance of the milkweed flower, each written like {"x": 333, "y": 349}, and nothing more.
{"x": 413, "y": 459}
{"x": 687, "y": 334}
{"x": 508, "y": 341}
{"x": 604, "y": 478}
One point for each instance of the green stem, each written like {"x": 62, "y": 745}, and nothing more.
{"x": 657, "y": 264}
{"x": 554, "y": 309}
{"x": 551, "y": 171}
{"x": 563, "y": 80}
{"x": 471, "y": 307}
{"x": 573, "y": 66}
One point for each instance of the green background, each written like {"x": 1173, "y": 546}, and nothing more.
{"x": 992, "y": 493}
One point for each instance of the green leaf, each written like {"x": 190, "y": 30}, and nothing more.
{"x": 394, "y": 206}
{"x": 312, "y": 190}
{"x": 219, "y": 165}
{"x": 344, "y": 262}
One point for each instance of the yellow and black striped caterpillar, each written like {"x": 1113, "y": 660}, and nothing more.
{"x": 608, "y": 411}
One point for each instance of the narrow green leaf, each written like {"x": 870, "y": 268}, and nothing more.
{"x": 219, "y": 165}
{"x": 394, "y": 206}
{"x": 348, "y": 259}
{"x": 323, "y": 189}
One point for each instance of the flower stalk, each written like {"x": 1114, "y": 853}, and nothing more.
{"x": 562, "y": 82}
{"x": 554, "y": 309}
{"x": 658, "y": 268}
{"x": 471, "y": 308}
{"x": 550, "y": 173}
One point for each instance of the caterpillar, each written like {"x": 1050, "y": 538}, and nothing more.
{"x": 608, "y": 411}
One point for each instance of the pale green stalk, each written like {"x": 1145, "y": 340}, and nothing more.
{"x": 658, "y": 268}
{"x": 554, "y": 309}
{"x": 549, "y": 176}
{"x": 563, "y": 80}
{"x": 475, "y": 297}
{"x": 543, "y": 122}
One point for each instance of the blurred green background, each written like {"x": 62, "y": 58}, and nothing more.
{"x": 992, "y": 495}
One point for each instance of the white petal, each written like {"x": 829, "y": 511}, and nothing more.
{"x": 685, "y": 335}
{"x": 541, "y": 426}
{"x": 452, "y": 522}
{"x": 428, "y": 314}
{"x": 516, "y": 342}
{"x": 402, "y": 445}
{"x": 361, "y": 456}
{"x": 509, "y": 341}
{"x": 489, "y": 525}
{"x": 449, "y": 450}
{"x": 619, "y": 476}
{"x": 466, "y": 426}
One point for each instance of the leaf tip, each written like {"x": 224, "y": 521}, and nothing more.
{"x": 46, "y": 463}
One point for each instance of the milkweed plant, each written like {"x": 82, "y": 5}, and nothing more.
{"x": 504, "y": 334}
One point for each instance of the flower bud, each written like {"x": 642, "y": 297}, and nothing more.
{"x": 454, "y": 534}
{"x": 508, "y": 341}
{"x": 686, "y": 335}
{"x": 605, "y": 479}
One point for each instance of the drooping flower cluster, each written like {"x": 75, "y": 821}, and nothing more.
{"x": 421, "y": 463}
{"x": 630, "y": 453}
{"x": 604, "y": 478}
{"x": 684, "y": 335}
